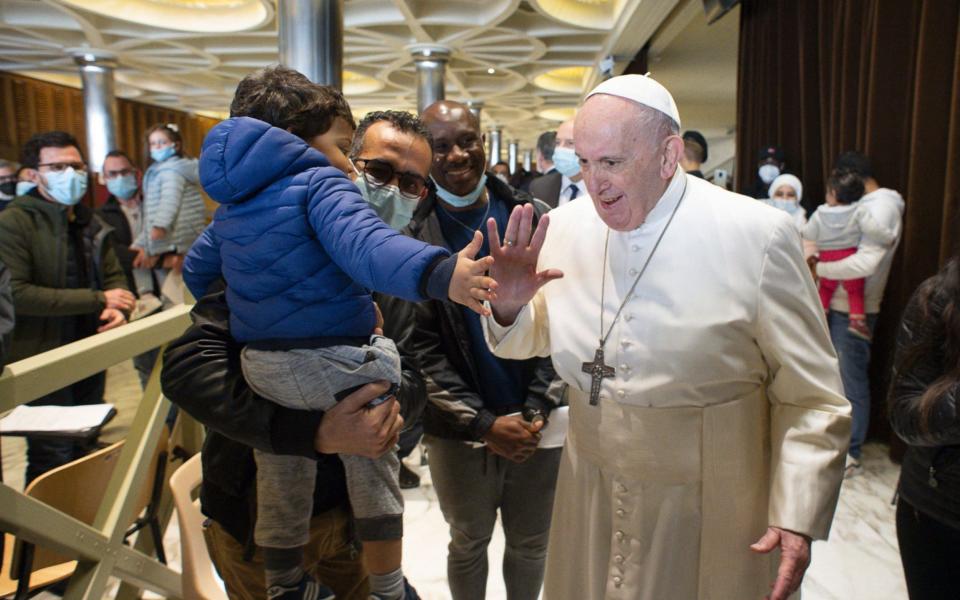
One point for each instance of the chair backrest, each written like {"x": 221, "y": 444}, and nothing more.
{"x": 76, "y": 489}
{"x": 199, "y": 581}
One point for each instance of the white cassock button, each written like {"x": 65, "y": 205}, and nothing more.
{"x": 625, "y": 343}
{"x": 619, "y": 536}
{"x": 618, "y": 559}
{"x": 618, "y": 581}
{"x": 624, "y": 367}
{"x": 621, "y": 393}
{"x": 628, "y": 317}
{"x": 635, "y": 248}
{"x": 621, "y": 512}
{"x": 633, "y": 272}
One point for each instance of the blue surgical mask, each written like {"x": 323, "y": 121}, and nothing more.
{"x": 123, "y": 187}
{"x": 394, "y": 208}
{"x": 462, "y": 201}
{"x": 565, "y": 160}
{"x": 768, "y": 173}
{"x": 25, "y": 187}
{"x": 162, "y": 154}
{"x": 787, "y": 205}
{"x": 67, "y": 187}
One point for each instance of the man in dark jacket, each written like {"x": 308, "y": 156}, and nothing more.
{"x": 123, "y": 211}
{"x": 474, "y": 398}
{"x": 202, "y": 375}
{"x": 66, "y": 281}
{"x": 6, "y": 312}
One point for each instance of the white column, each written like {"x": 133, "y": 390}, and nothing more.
{"x": 311, "y": 39}
{"x": 99, "y": 103}
{"x": 430, "y": 62}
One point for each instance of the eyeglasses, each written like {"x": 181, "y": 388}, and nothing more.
{"x": 59, "y": 167}
{"x": 379, "y": 173}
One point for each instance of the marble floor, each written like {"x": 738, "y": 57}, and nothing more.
{"x": 860, "y": 560}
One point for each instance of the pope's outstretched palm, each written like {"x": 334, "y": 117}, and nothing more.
{"x": 515, "y": 262}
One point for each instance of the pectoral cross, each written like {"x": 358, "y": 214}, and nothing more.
{"x": 598, "y": 371}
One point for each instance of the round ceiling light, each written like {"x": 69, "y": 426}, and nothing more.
{"x": 567, "y": 80}
{"x": 356, "y": 84}
{"x": 557, "y": 114}
{"x": 597, "y": 14}
{"x": 207, "y": 16}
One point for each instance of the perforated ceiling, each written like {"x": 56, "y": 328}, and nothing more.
{"x": 529, "y": 61}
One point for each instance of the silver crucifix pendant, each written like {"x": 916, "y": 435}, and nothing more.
{"x": 598, "y": 371}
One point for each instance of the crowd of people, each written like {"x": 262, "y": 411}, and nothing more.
{"x": 363, "y": 285}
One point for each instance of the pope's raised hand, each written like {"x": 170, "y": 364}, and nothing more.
{"x": 515, "y": 262}
{"x": 470, "y": 285}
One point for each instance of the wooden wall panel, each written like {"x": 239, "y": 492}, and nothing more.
{"x": 28, "y": 106}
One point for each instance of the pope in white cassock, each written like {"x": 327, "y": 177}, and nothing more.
{"x": 707, "y": 425}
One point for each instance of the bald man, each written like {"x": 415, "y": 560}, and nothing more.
{"x": 565, "y": 182}
{"x": 484, "y": 413}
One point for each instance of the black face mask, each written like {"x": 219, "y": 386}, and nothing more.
{"x": 8, "y": 188}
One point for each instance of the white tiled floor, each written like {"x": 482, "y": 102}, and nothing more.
{"x": 859, "y": 561}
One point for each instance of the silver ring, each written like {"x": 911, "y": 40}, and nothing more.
{"x": 509, "y": 242}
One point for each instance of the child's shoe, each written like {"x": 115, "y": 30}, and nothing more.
{"x": 308, "y": 589}
{"x": 859, "y": 328}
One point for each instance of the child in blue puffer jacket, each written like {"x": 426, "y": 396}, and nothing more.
{"x": 301, "y": 250}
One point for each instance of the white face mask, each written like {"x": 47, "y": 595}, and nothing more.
{"x": 768, "y": 173}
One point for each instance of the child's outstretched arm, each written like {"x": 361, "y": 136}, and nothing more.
{"x": 381, "y": 259}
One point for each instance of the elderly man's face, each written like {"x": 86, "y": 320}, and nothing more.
{"x": 625, "y": 170}
{"x": 458, "y": 156}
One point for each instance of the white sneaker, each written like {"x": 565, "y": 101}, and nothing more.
{"x": 146, "y": 305}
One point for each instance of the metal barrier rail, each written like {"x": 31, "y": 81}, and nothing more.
{"x": 99, "y": 548}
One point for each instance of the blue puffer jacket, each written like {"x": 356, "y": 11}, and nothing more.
{"x": 299, "y": 247}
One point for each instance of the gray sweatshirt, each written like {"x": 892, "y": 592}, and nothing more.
{"x": 172, "y": 200}
{"x": 844, "y": 225}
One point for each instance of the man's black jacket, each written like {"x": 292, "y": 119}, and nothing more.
{"x": 441, "y": 343}
{"x": 122, "y": 237}
{"x": 202, "y": 375}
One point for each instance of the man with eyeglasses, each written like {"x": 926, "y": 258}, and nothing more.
{"x": 484, "y": 414}
{"x": 123, "y": 211}
{"x": 391, "y": 156}
{"x": 66, "y": 280}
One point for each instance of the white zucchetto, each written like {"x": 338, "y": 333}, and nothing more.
{"x": 642, "y": 90}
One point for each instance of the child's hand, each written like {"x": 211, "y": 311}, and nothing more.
{"x": 470, "y": 286}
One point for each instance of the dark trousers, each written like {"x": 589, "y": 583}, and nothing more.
{"x": 930, "y": 551}
{"x": 472, "y": 485}
{"x": 45, "y": 453}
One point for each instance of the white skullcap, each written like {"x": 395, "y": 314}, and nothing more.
{"x": 642, "y": 90}
{"x": 786, "y": 179}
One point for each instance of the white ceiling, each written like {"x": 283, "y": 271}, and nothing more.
{"x": 198, "y": 71}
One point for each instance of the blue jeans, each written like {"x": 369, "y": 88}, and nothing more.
{"x": 854, "y": 354}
